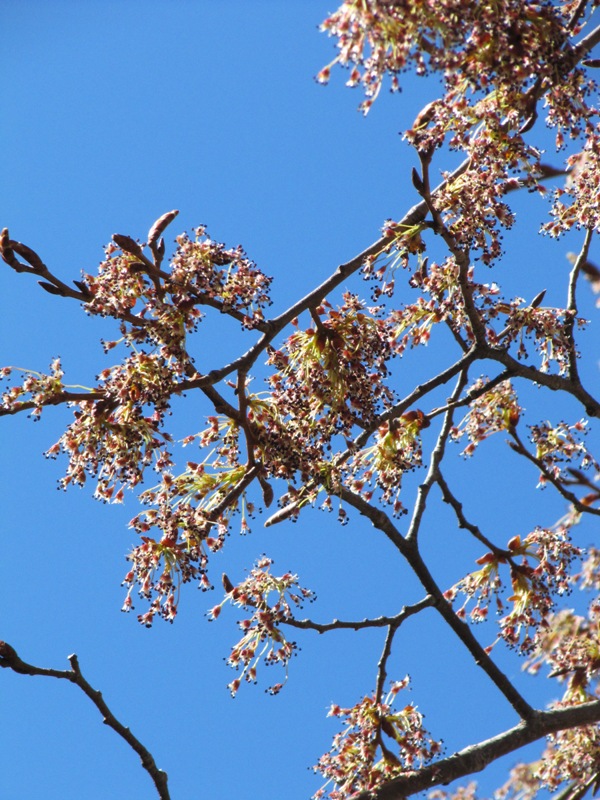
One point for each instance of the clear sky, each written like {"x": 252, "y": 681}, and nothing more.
{"x": 113, "y": 113}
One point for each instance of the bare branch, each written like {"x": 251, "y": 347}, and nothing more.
{"x": 377, "y": 622}
{"x": 410, "y": 551}
{"x": 10, "y": 660}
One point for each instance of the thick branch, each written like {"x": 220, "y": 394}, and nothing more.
{"x": 476, "y": 757}
{"x": 410, "y": 551}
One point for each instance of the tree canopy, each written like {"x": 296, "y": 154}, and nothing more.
{"x": 399, "y": 393}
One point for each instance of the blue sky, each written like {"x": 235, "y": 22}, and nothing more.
{"x": 115, "y": 112}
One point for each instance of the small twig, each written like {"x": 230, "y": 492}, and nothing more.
{"x": 382, "y": 665}
{"x": 54, "y": 400}
{"x": 518, "y": 446}
{"x": 572, "y": 304}
{"x": 472, "y": 395}
{"x": 9, "y": 659}
{"x": 437, "y": 455}
{"x": 448, "y": 497}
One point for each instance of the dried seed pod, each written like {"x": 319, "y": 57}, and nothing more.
{"x": 159, "y": 226}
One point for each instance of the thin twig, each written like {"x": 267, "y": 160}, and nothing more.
{"x": 376, "y": 622}
{"x": 437, "y": 455}
{"x": 9, "y": 659}
{"x": 518, "y": 446}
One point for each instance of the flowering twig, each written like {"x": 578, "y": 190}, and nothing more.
{"x": 517, "y": 445}
{"x": 476, "y": 757}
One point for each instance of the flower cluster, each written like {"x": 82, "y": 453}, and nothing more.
{"x": 376, "y": 745}
{"x": 504, "y": 44}
{"x": 191, "y": 512}
{"x": 203, "y": 271}
{"x": 495, "y": 410}
{"x": 572, "y": 755}
{"x": 397, "y": 450}
{"x": 271, "y": 601}
{"x": 336, "y": 368}
{"x": 541, "y": 574}
{"x": 577, "y": 204}
{"x": 548, "y": 327}
{"x": 159, "y": 568}
{"x": 559, "y": 445}
{"x": 120, "y": 286}
{"x": 36, "y": 391}
{"x": 113, "y": 443}
{"x": 328, "y": 379}
{"x": 472, "y": 205}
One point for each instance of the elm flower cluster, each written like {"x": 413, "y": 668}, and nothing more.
{"x": 113, "y": 444}
{"x": 547, "y": 327}
{"x": 119, "y": 285}
{"x": 336, "y": 369}
{"x": 160, "y": 567}
{"x": 203, "y": 270}
{"x": 376, "y": 745}
{"x": 36, "y": 391}
{"x": 578, "y": 204}
{"x": 495, "y": 410}
{"x": 536, "y": 579}
{"x": 504, "y": 44}
{"x": 397, "y": 449}
{"x": 271, "y": 601}
{"x": 558, "y": 446}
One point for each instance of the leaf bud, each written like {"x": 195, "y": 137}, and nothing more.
{"x": 127, "y": 244}
{"x": 159, "y": 226}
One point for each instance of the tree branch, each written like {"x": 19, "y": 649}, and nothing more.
{"x": 377, "y": 622}
{"x": 476, "y": 757}
{"x": 9, "y": 659}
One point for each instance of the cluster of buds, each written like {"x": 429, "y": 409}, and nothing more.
{"x": 376, "y": 745}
